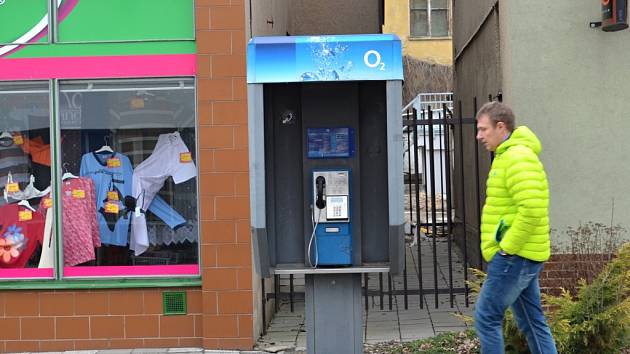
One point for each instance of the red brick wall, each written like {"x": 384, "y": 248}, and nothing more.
{"x": 564, "y": 271}
{"x": 220, "y": 314}
{"x": 224, "y": 181}
{"x": 95, "y": 319}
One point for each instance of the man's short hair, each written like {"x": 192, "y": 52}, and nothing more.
{"x": 498, "y": 112}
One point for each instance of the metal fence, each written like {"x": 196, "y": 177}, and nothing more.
{"x": 429, "y": 213}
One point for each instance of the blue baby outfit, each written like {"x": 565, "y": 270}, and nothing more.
{"x": 114, "y": 228}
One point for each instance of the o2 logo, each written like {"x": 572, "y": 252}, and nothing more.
{"x": 372, "y": 59}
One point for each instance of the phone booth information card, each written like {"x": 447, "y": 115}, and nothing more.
{"x": 330, "y": 142}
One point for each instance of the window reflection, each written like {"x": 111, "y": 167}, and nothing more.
{"x": 26, "y": 239}
{"x": 128, "y": 148}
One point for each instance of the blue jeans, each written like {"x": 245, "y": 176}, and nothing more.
{"x": 512, "y": 281}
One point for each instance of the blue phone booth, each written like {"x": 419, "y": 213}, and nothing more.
{"x": 326, "y": 186}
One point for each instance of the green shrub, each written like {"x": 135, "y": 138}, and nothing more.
{"x": 596, "y": 320}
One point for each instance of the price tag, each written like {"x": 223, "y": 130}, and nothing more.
{"x": 136, "y": 103}
{"x": 111, "y": 208}
{"x": 25, "y": 215}
{"x": 78, "y": 194}
{"x": 112, "y": 195}
{"x": 47, "y": 202}
{"x": 18, "y": 139}
{"x": 185, "y": 157}
{"x": 13, "y": 187}
{"x": 113, "y": 162}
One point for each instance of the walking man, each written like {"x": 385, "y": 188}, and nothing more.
{"x": 514, "y": 233}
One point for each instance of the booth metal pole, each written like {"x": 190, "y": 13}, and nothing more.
{"x": 334, "y": 317}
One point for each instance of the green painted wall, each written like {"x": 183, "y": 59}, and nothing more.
{"x": 122, "y": 20}
{"x": 18, "y": 16}
{"x": 104, "y": 27}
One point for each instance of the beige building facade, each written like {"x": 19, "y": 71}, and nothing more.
{"x": 423, "y": 27}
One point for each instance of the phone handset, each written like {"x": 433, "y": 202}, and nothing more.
{"x": 320, "y": 183}
{"x": 320, "y": 203}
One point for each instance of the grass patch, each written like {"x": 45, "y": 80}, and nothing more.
{"x": 453, "y": 342}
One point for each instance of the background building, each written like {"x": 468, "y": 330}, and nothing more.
{"x": 566, "y": 82}
{"x": 424, "y": 28}
{"x": 304, "y": 17}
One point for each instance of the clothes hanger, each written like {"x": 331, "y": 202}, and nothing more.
{"x": 9, "y": 180}
{"x": 106, "y": 147}
{"x": 26, "y": 204}
{"x": 144, "y": 93}
{"x": 6, "y": 135}
{"x": 67, "y": 173}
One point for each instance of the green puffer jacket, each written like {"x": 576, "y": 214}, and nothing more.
{"x": 517, "y": 200}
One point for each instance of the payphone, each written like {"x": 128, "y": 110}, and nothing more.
{"x": 331, "y": 240}
{"x": 330, "y": 243}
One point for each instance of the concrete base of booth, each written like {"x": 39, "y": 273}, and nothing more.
{"x": 334, "y": 318}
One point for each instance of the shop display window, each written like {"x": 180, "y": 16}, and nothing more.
{"x": 129, "y": 177}
{"x": 27, "y": 244}
{"x": 98, "y": 178}
{"x": 110, "y": 191}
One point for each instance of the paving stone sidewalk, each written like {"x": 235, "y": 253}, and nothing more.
{"x": 287, "y": 331}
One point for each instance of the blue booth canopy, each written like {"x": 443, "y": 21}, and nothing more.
{"x": 324, "y": 58}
